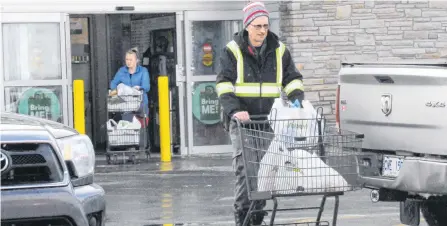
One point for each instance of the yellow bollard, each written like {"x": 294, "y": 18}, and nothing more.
{"x": 164, "y": 114}
{"x": 78, "y": 106}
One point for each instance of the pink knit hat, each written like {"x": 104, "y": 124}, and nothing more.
{"x": 254, "y": 10}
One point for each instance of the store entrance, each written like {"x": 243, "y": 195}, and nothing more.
{"x": 99, "y": 43}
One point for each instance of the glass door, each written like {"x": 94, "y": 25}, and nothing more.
{"x": 35, "y": 75}
{"x": 206, "y": 34}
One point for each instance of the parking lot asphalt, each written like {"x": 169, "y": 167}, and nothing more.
{"x": 199, "y": 191}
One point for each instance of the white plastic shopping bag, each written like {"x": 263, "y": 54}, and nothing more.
{"x": 306, "y": 172}
{"x": 111, "y": 124}
{"x": 290, "y": 171}
{"x": 124, "y": 90}
{"x": 295, "y": 122}
{"x": 136, "y": 124}
{"x": 126, "y": 99}
{"x": 123, "y": 132}
{"x": 287, "y": 168}
{"x": 124, "y": 124}
{"x": 268, "y": 167}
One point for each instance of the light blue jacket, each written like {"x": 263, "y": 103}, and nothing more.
{"x": 139, "y": 78}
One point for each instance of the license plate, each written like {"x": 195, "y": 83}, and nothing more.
{"x": 392, "y": 165}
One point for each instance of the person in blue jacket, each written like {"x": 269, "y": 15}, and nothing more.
{"x": 133, "y": 75}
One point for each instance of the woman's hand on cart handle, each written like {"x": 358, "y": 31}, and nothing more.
{"x": 241, "y": 116}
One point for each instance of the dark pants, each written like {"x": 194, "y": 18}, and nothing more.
{"x": 253, "y": 155}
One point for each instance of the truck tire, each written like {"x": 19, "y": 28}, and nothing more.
{"x": 435, "y": 213}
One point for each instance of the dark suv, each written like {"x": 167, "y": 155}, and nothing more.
{"x": 47, "y": 175}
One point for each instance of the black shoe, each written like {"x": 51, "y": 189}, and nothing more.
{"x": 258, "y": 218}
{"x": 239, "y": 217}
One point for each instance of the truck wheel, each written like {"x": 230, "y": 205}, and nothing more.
{"x": 435, "y": 213}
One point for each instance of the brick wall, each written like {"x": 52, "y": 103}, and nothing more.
{"x": 321, "y": 34}
{"x": 141, "y": 30}
{"x": 120, "y": 33}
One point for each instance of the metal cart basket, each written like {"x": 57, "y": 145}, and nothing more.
{"x": 123, "y": 138}
{"x": 279, "y": 165}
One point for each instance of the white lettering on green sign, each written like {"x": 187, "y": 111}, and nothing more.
{"x": 206, "y": 105}
{"x": 40, "y": 111}
{"x": 210, "y": 106}
{"x": 39, "y": 108}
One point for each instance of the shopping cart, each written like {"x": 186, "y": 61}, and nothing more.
{"x": 126, "y": 137}
{"x": 310, "y": 159}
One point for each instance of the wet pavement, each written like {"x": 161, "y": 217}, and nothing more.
{"x": 199, "y": 191}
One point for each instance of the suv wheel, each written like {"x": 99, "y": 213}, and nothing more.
{"x": 435, "y": 213}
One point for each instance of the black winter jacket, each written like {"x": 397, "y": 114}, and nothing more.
{"x": 255, "y": 71}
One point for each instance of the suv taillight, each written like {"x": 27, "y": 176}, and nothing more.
{"x": 337, "y": 108}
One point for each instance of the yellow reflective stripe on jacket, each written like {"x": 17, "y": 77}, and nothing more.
{"x": 257, "y": 90}
{"x": 242, "y": 89}
{"x": 234, "y": 47}
{"x": 224, "y": 87}
{"x": 279, "y": 53}
{"x": 293, "y": 85}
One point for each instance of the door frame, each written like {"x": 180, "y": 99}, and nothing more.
{"x": 190, "y": 17}
{"x": 2, "y": 72}
{"x": 65, "y": 57}
{"x": 181, "y": 80}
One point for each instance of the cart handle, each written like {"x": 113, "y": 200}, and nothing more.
{"x": 252, "y": 118}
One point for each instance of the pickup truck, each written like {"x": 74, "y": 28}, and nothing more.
{"x": 400, "y": 107}
{"x": 47, "y": 172}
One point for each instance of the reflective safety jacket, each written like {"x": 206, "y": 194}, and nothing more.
{"x": 250, "y": 83}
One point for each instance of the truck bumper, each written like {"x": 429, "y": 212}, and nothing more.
{"x": 92, "y": 198}
{"x": 41, "y": 205}
{"x": 417, "y": 175}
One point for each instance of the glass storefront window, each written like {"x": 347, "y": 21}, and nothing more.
{"x": 31, "y": 51}
{"x": 42, "y": 102}
{"x": 209, "y": 39}
{"x": 206, "y": 116}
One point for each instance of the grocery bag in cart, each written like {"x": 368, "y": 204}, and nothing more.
{"x": 299, "y": 123}
{"x": 125, "y": 99}
{"x": 286, "y": 172}
{"x": 291, "y": 163}
{"x": 123, "y": 132}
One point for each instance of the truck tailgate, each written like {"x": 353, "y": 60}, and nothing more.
{"x": 398, "y": 108}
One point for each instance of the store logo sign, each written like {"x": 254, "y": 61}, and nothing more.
{"x": 206, "y": 106}
{"x": 40, "y": 102}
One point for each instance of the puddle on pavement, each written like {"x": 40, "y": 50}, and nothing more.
{"x": 166, "y": 166}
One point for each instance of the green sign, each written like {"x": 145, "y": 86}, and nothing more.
{"x": 206, "y": 107}
{"x": 40, "y": 102}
